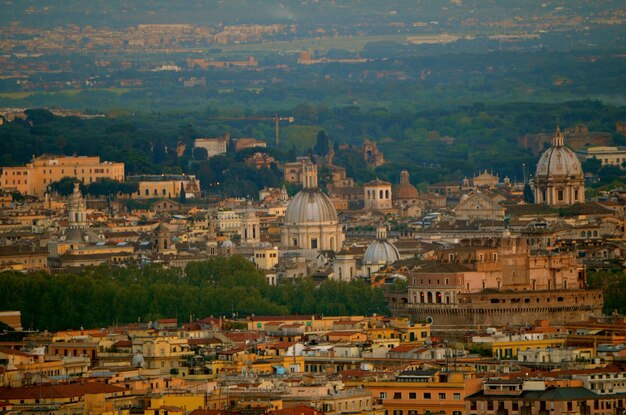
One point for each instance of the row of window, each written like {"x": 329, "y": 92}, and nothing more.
{"x": 382, "y": 194}
{"x": 413, "y": 395}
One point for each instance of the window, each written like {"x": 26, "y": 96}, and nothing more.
{"x": 427, "y": 395}
{"x": 397, "y": 395}
{"x": 412, "y": 395}
{"x": 457, "y": 396}
{"x": 383, "y": 395}
{"x": 442, "y": 395}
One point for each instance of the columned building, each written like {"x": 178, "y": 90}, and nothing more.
{"x": 250, "y": 226}
{"x": 311, "y": 220}
{"x": 559, "y": 180}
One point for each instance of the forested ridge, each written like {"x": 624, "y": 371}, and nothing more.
{"x": 434, "y": 145}
{"x": 104, "y": 295}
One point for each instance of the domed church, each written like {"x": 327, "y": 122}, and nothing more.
{"x": 379, "y": 253}
{"x": 559, "y": 179}
{"x": 311, "y": 220}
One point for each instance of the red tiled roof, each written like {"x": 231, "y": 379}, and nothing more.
{"x": 281, "y": 345}
{"x": 123, "y": 343}
{"x": 212, "y": 340}
{"x": 404, "y": 348}
{"x": 58, "y": 391}
{"x": 240, "y": 337}
{"x": 297, "y": 410}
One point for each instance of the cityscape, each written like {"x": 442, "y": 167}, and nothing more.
{"x": 316, "y": 207}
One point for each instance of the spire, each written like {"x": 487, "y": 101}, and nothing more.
{"x": 558, "y": 140}
{"x": 381, "y": 231}
{"x": 77, "y": 209}
{"x": 404, "y": 177}
{"x": 309, "y": 175}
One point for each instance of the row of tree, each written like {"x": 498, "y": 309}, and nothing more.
{"x": 434, "y": 145}
{"x": 101, "y": 296}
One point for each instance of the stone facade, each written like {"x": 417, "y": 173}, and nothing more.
{"x": 486, "y": 283}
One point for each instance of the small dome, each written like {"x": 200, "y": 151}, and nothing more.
{"x": 404, "y": 189}
{"x": 381, "y": 252}
{"x": 310, "y": 206}
{"x": 559, "y": 160}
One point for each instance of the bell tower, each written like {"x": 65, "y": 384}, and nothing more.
{"x": 309, "y": 175}
{"x": 77, "y": 209}
{"x": 250, "y": 226}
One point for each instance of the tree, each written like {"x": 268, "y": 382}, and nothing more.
{"x": 592, "y": 165}
{"x": 110, "y": 187}
{"x": 529, "y": 196}
{"x": 65, "y": 186}
{"x": 183, "y": 195}
{"x": 200, "y": 153}
{"x": 322, "y": 143}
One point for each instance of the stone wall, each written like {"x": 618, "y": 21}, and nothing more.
{"x": 488, "y": 309}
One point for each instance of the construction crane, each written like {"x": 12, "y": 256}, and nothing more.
{"x": 276, "y": 118}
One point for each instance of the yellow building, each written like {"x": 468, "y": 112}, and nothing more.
{"x": 152, "y": 186}
{"x": 423, "y": 391}
{"x": 35, "y": 177}
{"x": 184, "y": 404}
{"x": 509, "y": 349}
{"x": 265, "y": 258}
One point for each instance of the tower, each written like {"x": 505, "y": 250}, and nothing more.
{"x": 77, "y": 210}
{"x": 250, "y": 226}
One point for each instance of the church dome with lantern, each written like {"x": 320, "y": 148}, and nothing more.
{"x": 559, "y": 178}
{"x": 311, "y": 220}
{"x": 379, "y": 253}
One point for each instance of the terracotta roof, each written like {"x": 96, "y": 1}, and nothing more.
{"x": 404, "y": 348}
{"x": 58, "y": 391}
{"x": 281, "y": 345}
{"x": 211, "y": 340}
{"x": 240, "y": 337}
{"x": 296, "y": 410}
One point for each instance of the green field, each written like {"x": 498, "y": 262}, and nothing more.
{"x": 68, "y": 92}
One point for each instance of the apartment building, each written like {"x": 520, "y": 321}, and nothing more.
{"x": 35, "y": 177}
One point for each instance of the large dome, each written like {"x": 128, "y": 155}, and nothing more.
{"x": 310, "y": 206}
{"x": 559, "y": 160}
{"x": 381, "y": 252}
